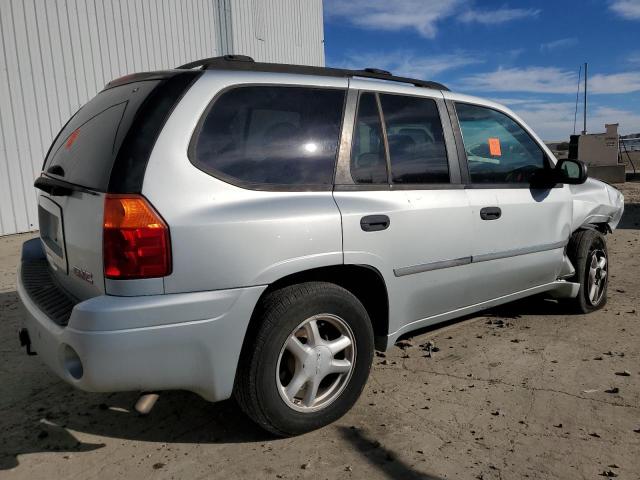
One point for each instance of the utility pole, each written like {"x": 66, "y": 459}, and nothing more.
{"x": 575, "y": 112}
{"x": 584, "y": 130}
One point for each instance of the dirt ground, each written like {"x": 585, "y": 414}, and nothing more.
{"x": 516, "y": 392}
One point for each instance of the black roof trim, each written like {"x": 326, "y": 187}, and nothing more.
{"x": 129, "y": 167}
{"x": 140, "y": 77}
{"x": 244, "y": 63}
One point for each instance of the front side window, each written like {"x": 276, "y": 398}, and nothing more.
{"x": 417, "y": 150}
{"x": 498, "y": 149}
{"x": 368, "y": 160}
{"x": 272, "y": 135}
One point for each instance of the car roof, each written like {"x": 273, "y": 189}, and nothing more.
{"x": 367, "y": 76}
{"x": 485, "y": 102}
{"x": 244, "y": 63}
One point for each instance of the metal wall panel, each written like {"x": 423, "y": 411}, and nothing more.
{"x": 290, "y": 31}
{"x": 57, "y": 54}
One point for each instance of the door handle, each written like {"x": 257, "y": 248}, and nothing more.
{"x": 374, "y": 223}
{"x": 490, "y": 213}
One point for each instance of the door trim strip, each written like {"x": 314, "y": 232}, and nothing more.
{"x": 519, "y": 251}
{"x": 428, "y": 267}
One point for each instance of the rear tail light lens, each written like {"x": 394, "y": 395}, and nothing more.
{"x": 135, "y": 239}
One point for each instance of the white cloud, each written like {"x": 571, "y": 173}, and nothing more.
{"x": 554, "y": 120}
{"x": 614, "y": 83}
{"x": 629, "y": 9}
{"x": 408, "y": 63}
{"x": 501, "y": 15}
{"x": 389, "y": 15}
{"x": 516, "y": 101}
{"x": 549, "y": 80}
{"x": 419, "y": 15}
{"x": 550, "y": 120}
{"x": 529, "y": 79}
{"x": 557, "y": 44}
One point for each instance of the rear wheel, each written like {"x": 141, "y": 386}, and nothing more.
{"x": 308, "y": 360}
{"x": 587, "y": 251}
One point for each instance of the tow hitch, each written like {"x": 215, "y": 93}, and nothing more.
{"x": 25, "y": 341}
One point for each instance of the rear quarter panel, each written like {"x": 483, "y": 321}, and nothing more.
{"x": 224, "y": 236}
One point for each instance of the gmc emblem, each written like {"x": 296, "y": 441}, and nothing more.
{"x": 83, "y": 274}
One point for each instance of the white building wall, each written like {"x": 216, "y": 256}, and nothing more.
{"x": 290, "y": 31}
{"x": 57, "y": 54}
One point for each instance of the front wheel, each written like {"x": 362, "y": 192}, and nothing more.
{"x": 308, "y": 360}
{"x": 587, "y": 251}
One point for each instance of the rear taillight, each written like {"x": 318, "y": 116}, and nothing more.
{"x": 135, "y": 239}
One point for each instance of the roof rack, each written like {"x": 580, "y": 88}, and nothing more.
{"x": 245, "y": 63}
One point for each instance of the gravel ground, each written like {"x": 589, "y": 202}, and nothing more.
{"x": 516, "y": 392}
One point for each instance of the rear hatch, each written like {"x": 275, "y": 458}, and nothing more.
{"x": 103, "y": 149}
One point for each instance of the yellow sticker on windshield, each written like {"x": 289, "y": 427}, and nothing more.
{"x": 494, "y": 147}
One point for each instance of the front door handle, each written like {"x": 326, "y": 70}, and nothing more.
{"x": 490, "y": 213}
{"x": 374, "y": 223}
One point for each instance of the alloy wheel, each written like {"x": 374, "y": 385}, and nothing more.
{"x": 316, "y": 362}
{"x": 597, "y": 277}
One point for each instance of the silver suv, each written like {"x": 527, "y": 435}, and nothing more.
{"x": 238, "y": 228}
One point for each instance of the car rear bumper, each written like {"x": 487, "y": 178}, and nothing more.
{"x": 188, "y": 341}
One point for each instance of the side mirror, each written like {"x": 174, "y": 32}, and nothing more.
{"x": 572, "y": 172}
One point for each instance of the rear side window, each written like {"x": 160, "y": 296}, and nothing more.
{"x": 85, "y": 150}
{"x": 417, "y": 150}
{"x": 498, "y": 149}
{"x": 368, "y": 160}
{"x": 272, "y": 135}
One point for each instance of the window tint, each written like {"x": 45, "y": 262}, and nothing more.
{"x": 416, "y": 142}
{"x": 368, "y": 161}
{"x": 498, "y": 149}
{"x": 85, "y": 150}
{"x": 272, "y": 135}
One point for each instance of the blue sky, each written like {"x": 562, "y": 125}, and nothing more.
{"x": 524, "y": 54}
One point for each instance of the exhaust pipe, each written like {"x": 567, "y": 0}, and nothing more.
{"x": 146, "y": 402}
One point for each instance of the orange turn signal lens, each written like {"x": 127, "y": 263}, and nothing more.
{"x": 135, "y": 239}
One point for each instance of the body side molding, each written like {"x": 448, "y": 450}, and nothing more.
{"x": 520, "y": 251}
{"x": 427, "y": 267}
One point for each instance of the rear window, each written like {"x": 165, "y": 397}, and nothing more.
{"x": 272, "y": 135}
{"x": 85, "y": 150}
{"x": 107, "y": 143}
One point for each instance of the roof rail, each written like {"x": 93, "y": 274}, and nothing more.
{"x": 245, "y": 63}
{"x": 206, "y": 62}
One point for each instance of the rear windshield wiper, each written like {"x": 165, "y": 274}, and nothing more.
{"x": 56, "y": 170}
{"x": 59, "y": 188}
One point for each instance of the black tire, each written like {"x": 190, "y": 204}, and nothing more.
{"x": 583, "y": 245}
{"x": 277, "y": 316}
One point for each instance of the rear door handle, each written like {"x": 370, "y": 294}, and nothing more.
{"x": 490, "y": 213}
{"x": 374, "y": 223}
